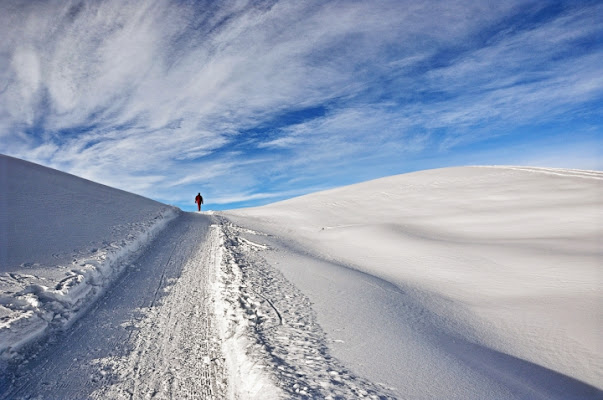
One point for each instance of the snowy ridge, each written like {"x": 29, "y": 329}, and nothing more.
{"x": 573, "y": 173}
{"x": 56, "y": 259}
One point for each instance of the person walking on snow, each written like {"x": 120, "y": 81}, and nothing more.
{"x": 199, "y": 201}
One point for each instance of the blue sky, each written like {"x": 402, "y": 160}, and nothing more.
{"x": 251, "y": 102}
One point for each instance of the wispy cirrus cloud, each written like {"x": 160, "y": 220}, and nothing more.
{"x": 241, "y": 99}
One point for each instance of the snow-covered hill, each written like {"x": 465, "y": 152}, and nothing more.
{"x": 63, "y": 240}
{"x": 476, "y": 282}
{"x": 458, "y": 283}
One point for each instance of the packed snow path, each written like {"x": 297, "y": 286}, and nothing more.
{"x": 152, "y": 335}
{"x": 197, "y": 315}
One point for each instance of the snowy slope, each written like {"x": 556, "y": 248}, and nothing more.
{"x": 63, "y": 240}
{"x": 459, "y": 283}
{"x": 476, "y": 282}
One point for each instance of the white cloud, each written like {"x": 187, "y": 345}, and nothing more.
{"x": 138, "y": 94}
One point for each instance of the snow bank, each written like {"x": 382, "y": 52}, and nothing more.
{"x": 63, "y": 241}
{"x": 506, "y": 260}
{"x": 272, "y": 338}
{"x": 247, "y": 375}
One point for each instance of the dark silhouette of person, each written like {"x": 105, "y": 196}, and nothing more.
{"x": 199, "y": 201}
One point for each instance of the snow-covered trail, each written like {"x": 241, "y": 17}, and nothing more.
{"x": 152, "y": 334}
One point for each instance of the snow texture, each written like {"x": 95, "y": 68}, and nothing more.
{"x": 459, "y": 283}
{"x": 140, "y": 321}
{"x": 63, "y": 241}
{"x": 281, "y": 330}
{"x": 152, "y": 334}
{"x": 468, "y": 283}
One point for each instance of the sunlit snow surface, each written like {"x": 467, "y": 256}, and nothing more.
{"x": 63, "y": 241}
{"x": 476, "y": 282}
{"x": 458, "y": 283}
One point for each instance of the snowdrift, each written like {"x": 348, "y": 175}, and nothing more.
{"x": 63, "y": 240}
{"x": 500, "y": 267}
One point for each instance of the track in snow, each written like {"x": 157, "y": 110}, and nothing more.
{"x": 284, "y": 335}
{"x": 151, "y": 335}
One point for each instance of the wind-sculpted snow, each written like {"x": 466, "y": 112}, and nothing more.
{"x": 64, "y": 241}
{"x": 459, "y": 283}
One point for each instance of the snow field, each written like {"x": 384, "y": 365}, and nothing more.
{"x": 63, "y": 241}
{"x": 280, "y": 331}
{"x": 497, "y": 269}
{"x": 461, "y": 283}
